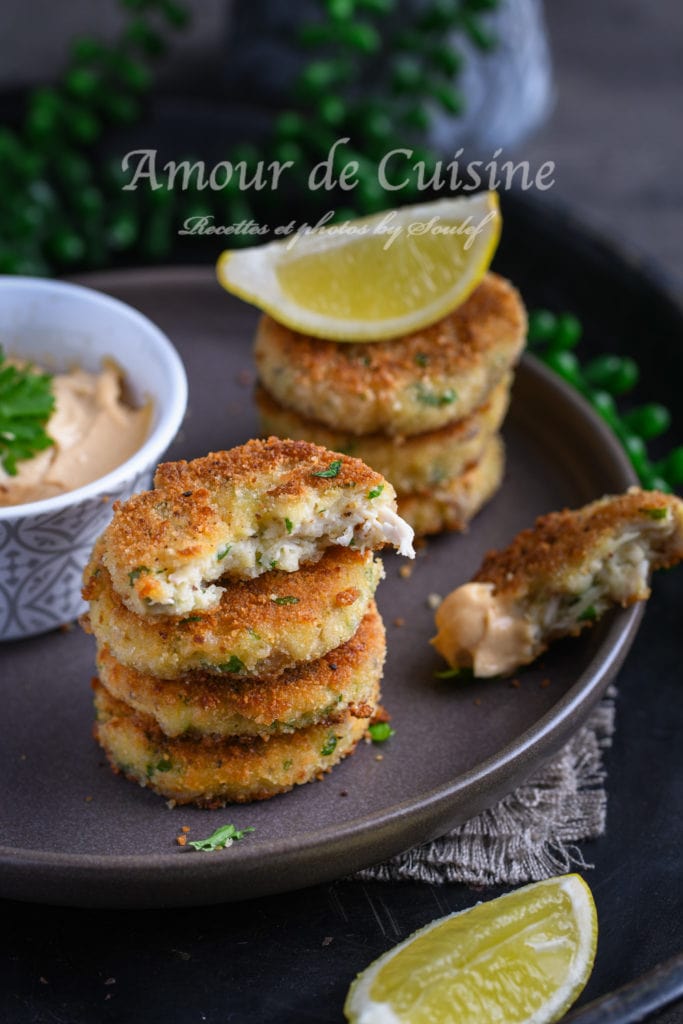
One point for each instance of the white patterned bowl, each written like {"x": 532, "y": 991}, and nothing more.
{"x": 44, "y": 545}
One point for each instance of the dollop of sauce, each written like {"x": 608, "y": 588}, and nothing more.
{"x": 94, "y": 430}
{"x": 477, "y": 630}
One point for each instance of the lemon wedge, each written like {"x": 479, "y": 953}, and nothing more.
{"x": 372, "y": 278}
{"x": 520, "y": 959}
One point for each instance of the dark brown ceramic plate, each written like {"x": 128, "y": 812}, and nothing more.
{"x": 75, "y": 834}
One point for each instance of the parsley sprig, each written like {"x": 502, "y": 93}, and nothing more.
{"x": 26, "y": 401}
{"x": 221, "y": 839}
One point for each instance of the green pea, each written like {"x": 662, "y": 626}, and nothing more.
{"x": 452, "y": 100}
{"x": 42, "y": 123}
{"x": 673, "y": 466}
{"x": 149, "y": 41}
{"x": 320, "y": 74}
{"x": 134, "y": 75}
{"x": 565, "y": 364}
{"x": 66, "y": 246}
{"x": 122, "y": 231}
{"x": 340, "y": 10}
{"x": 42, "y": 193}
{"x": 567, "y": 332}
{"x": 119, "y": 107}
{"x": 86, "y": 49}
{"x": 440, "y": 14}
{"x": 614, "y": 373}
{"x": 542, "y": 325}
{"x": 82, "y": 83}
{"x": 244, "y": 152}
{"x": 407, "y": 74}
{"x": 175, "y": 14}
{"x": 73, "y": 169}
{"x": 290, "y": 125}
{"x": 318, "y": 35}
{"x": 287, "y": 150}
{"x": 447, "y": 60}
{"x": 10, "y": 148}
{"x": 417, "y": 117}
{"x": 83, "y": 126}
{"x": 377, "y": 6}
{"x": 412, "y": 42}
{"x": 27, "y": 218}
{"x": 377, "y": 126}
{"x": 649, "y": 420}
{"x": 31, "y": 265}
{"x": 481, "y": 36}
{"x": 362, "y": 37}
{"x": 332, "y": 109}
{"x": 636, "y": 450}
{"x": 89, "y": 202}
{"x": 605, "y": 406}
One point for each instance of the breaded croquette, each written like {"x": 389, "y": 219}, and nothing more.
{"x": 239, "y": 514}
{"x": 453, "y": 504}
{"x": 558, "y": 578}
{"x": 415, "y": 463}
{"x": 260, "y": 626}
{"x": 402, "y": 386}
{"x": 212, "y": 772}
{"x": 343, "y": 681}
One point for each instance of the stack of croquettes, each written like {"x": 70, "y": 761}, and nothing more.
{"x": 424, "y": 410}
{"x": 239, "y": 647}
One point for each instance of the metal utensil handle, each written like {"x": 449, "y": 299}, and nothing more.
{"x": 638, "y": 1000}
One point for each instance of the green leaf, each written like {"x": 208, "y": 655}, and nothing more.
{"x": 136, "y": 573}
{"x": 221, "y": 554}
{"x": 331, "y": 471}
{"x": 434, "y": 399}
{"x": 289, "y": 525}
{"x": 221, "y": 839}
{"x": 233, "y": 664}
{"x": 380, "y": 731}
{"x": 287, "y": 599}
{"x": 455, "y": 673}
{"x": 376, "y": 491}
{"x": 26, "y": 403}
{"x": 589, "y": 615}
{"x": 329, "y": 745}
{"x": 655, "y": 513}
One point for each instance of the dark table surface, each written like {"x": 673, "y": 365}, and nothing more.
{"x": 291, "y": 958}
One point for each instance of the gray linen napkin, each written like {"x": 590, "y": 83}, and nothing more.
{"x": 532, "y": 833}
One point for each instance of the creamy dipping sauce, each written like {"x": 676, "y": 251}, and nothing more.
{"x": 480, "y": 631}
{"x": 93, "y": 430}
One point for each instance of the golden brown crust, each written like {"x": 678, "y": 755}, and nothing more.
{"x": 454, "y": 504}
{"x": 248, "y": 624}
{"x": 560, "y": 542}
{"x": 405, "y": 385}
{"x": 225, "y": 497}
{"x": 341, "y": 682}
{"x": 412, "y": 463}
{"x": 210, "y": 772}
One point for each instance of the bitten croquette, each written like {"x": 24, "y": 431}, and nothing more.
{"x": 273, "y": 504}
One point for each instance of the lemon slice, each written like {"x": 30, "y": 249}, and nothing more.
{"x": 372, "y": 278}
{"x": 524, "y": 957}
